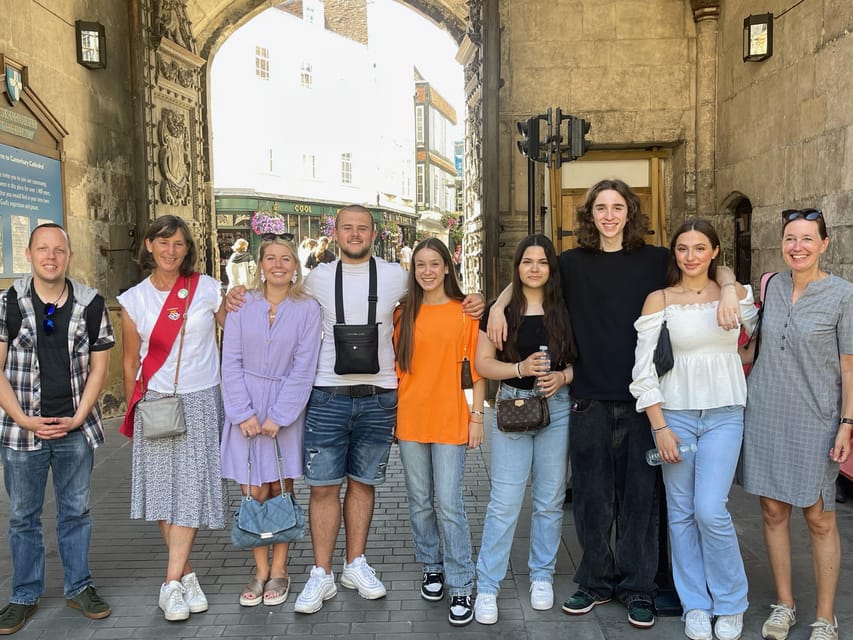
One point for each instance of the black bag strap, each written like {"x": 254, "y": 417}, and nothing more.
{"x": 372, "y": 298}
{"x": 756, "y": 332}
{"x": 14, "y": 318}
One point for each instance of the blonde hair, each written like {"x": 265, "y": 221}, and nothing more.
{"x": 297, "y": 289}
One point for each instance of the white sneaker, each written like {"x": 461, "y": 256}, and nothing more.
{"x": 541, "y": 595}
{"x": 729, "y": 627}
{"x": 172, "y": 601}
{"x": 779, "y": 622}
{"x": 360, "y": 575}
{"x": 486, "y": 608}
{"x": 697, "y": 625}
{"x": 193, "y": 595}
{"x": 823, "y": 629}
{"x": 319, "y": 588}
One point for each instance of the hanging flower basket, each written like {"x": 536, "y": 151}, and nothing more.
{"x": 327, "y": 226}
{"x": 268, "y": 222}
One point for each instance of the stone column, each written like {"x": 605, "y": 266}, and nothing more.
{"x": 167, "y": 88}
{"x": 706, "y": 15}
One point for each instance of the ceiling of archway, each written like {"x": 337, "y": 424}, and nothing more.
{"x": 214, "y": 20}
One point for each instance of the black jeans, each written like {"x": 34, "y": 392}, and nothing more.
{"x": 612, "y": 484}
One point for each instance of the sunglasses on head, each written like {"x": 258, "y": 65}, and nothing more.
{"x": 49, "y": 311}
{"x": 789, "y": 215}
{"x": 282, "y": 236}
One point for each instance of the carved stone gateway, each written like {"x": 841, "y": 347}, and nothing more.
{"x": 169, "y": 83}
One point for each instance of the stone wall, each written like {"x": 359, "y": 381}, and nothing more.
{"x": 627, "y": 66}
{"x": 94, "y": 106}
{"x": 785, "y": 125}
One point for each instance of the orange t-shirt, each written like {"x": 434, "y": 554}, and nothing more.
{"x": 431, "y": 404}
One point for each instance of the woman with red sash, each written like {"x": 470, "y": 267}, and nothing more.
{"x": 176, "y": 480}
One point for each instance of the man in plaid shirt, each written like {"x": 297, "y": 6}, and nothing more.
{"x": 49, "y": 419}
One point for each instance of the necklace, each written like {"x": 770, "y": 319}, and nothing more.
{"x": 50, "y": 308}
{"x": 698, "y": 292}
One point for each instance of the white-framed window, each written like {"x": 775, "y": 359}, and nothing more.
{"x": 306, "y": 75}
{"x": 309, "y": 166}
{"x": 406, "y": 186}
{"x": 267, "y": 164}
{"x": 346, "y": 168}
{"x": 421, "y": 184}
{"x": 309, "y": 14}
{"x": 262, "y": 63}
{"x": 419, "y": 125}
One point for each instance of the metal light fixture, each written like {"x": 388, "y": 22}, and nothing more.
{"x": 91, "y": 44}
{"x": 757, "y": 37}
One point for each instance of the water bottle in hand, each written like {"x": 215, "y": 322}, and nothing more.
{"x": 653, "y": 457}
{"x": 544, "y": 362}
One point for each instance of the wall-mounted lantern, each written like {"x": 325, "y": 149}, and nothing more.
{"x": 757, "y": 37}
{"x": 91, "y": 44}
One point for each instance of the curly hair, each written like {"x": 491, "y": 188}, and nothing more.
{"x": 411, "y": 305}
{"x": 558, "y": 326}
{"x": 165, "y": 227}
{"x": 636, "y": 224}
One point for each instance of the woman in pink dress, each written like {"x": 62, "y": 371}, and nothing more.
{"x": 269, "y": 356}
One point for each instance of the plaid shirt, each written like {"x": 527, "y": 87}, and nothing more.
{"x": 22, "y": 364}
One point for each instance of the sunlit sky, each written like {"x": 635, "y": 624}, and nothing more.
{"x": 431, "y": 48}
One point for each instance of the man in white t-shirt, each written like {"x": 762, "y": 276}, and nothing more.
{"x": 406, "y": 256}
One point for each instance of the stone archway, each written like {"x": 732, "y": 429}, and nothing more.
{"x": 174, "y": 40}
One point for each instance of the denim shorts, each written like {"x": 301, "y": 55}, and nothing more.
{"x": 347, "y": 436}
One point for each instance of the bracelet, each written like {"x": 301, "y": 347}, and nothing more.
{"x": 846, "y": 420}
{"x": 478, "y": 413}
{"x": 728, "y": 284}
{"x": 565, "y": 377}
{"x": 666, "y": 426}
{"x": 518, "y": 370}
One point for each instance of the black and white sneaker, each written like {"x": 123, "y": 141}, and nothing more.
{"x": 432, "y": 587}
{"x": 461, "y": 611}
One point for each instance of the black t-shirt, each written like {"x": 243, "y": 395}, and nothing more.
{"x": 531, "y": 334}
{"x": 54, "y": 369}
{"x": 605, "y": 292}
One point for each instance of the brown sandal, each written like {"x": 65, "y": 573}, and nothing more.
{"x": 252, "y": 594}
{"x": 276, "y": 590}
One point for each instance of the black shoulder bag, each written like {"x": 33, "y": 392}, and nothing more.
{"x": 356, "y": 345}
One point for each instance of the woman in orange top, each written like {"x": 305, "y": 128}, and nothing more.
{"x": 435, "y": 425}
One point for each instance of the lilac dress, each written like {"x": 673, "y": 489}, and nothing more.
{"x": 268, "y": 371}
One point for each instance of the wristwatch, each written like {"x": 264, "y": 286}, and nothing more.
{"x": 846, "y": 420}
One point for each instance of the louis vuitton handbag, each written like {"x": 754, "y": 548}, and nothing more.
{"x": 274, "y": 521}
{"x": 517, "y": 415}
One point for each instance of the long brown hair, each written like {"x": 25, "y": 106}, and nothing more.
{"x": 673, "y": 273}
{"x": 411, "y": 305}
{"x": 636, "y": 223}
{"x": 558, "y": 326}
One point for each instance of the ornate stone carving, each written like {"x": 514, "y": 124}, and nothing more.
{"x": 174, "y": 158}
{"x": 171, "y": 21}
{"x": 175, "y": 72}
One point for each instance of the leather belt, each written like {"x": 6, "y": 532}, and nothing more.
{"x": 355, "y": 391}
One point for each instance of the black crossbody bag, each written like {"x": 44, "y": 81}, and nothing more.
{"x": 356, "y": 345}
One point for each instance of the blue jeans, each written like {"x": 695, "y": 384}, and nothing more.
{"x": 517, "y": 457}
{"x": 706, "y": 563}
{"x": 613, "y": 486}
{"x": 347, "y": 436}
{"x": 434, "y": 472}
{"x": 25, "y": 473}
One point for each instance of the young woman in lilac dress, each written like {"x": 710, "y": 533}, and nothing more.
{"x": 269, "y": 356}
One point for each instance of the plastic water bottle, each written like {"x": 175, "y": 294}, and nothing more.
{"x": 544, "y": 362}
{"x": 653, "y": 457}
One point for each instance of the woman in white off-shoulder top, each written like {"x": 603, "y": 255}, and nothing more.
{"x": 699, "y": 401}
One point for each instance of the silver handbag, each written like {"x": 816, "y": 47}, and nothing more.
{"x": 164, "y": 417}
